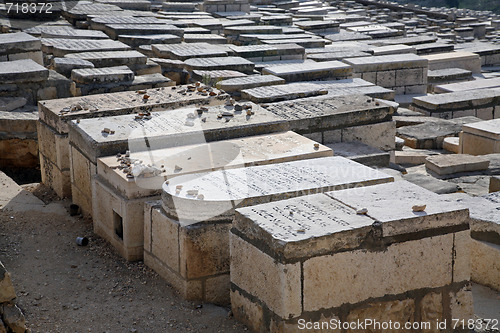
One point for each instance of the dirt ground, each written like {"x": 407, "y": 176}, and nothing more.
{"x": 63, "y": 287}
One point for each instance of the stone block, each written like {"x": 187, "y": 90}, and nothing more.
{"x": 464, "y": 60}
{"x": 485, "y": 264}
{"x": 456, "y": 163}
{"x": 386, "y": 273}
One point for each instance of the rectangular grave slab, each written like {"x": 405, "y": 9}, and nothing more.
{"x": 218, "y": 63}
{"x": 404, "y": 75}
{"x": 319, "y": 26}
{"x": 22, "y": 71}
{"x": 251, "y": 81}
{"x": 166, "y": 129}
{"x": 59, "y": 47}
{"x": 327, "y": 70}
{"x": 55, "y": 115}
{"x": 19, "y": 42}
{"x": 449, "y": 164}
{"x": 270, "y": 94}
{"x": 485, "y": 233}
{"x": 114, "y": 30}
{"x": 102, "y": 75}
{"x": 269, "y": 52}
{"x": 387, "y": 62}
{"x": 186, "y": 51}
{"x": 296, "y": 246}
{"x": 480, "y": 103}
{"x": 204, "y": 38}
{"x": 304, "y": 42}
{"x": 111, "y": 58}
{"x": 351, "y": 118}
{"x": 481, "y": 138}
{"x": 136, "y": 40}
{"x": 114, "y": 186}
{"x": 255, "y": 29}
{"x": 70, "y": 33}
{"x": 203, "y": 223}
{"x": 20, "y": 45}
{"x": 469, "y": 85}
{"x": 465, "y": 60}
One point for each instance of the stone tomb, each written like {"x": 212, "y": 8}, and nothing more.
{"x": 248, "y": 82}
{"x": 88, "y": 139}
{"x": 220, "y": 63}
{"x": 481, "y": 103}
{"x": 20, "y": 45}
{"x": 270, "y": 52}
{"x": 59, "y": 47}
{"x": 186, "y": 51}
{"x": 55, "y": 115}
{"x": 118, "y": 199}
{"x": 354, "y": 118}
{"x": 464, "y": 60}
{"x": 404, "y": 74}
{"x": 481, "y": 138}
{"x": 326, "y": 70}
{"x": 319, "y": 258}
{"x": 187, "y": 239}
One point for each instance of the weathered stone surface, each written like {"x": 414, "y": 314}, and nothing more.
{"x": 7, "y": 292}
{"x": 13, "y": 318}
{"x": 60, "y": 47}
{"x": 66, "y": 65}
{"x": 19, "y": 42}
{"x": 226, "y": 154}
{"x": 269, "y": 183}
{"x": 102, "y": 75}
{"x": 430, "y": 183}
{"x": 326, "y": 70}
{"x": 56, "y": 113}
{"x": 387, "y": 62}
{"x": 428, "y": 135}
{"x": 481, "y": 138}
{"x": 361, "y": 153}
{"x": 137, "y": 40}
{"x": 187, "y": 51}
{"x": 114, "y": 30}
{"x": 248, "y": 82}
{"x": 465, "y": 60}
{"x": 179, "y": 126}
{"x": 269, "y": 52}
{"x": 277, "y": 93}
{"x": 218, "y": 63}
{"x": 455, "y": 163}
{"x": 110, "y": 58}
{"x": 22, "y": 71}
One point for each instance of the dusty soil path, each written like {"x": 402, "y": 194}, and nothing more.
{"x": 63, "y": 287}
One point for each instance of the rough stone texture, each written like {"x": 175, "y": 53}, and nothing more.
{"x": 366, "y": 270}
{"x": 455, "y": 163}
{"x": 494, "y": 184}
{"x": 395, "y": 311}
{"x": 481, "y": 138}
{"x": 485, "y": 264}
{"x": 402, "y": 280}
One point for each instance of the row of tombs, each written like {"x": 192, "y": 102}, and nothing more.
{"x": 222, "y": 198}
